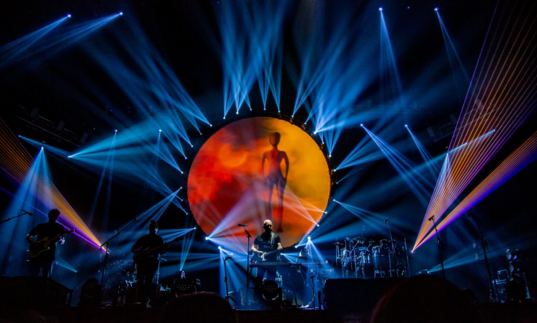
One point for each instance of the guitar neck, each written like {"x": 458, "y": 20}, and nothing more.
{"x": 56, "y": 237}
{"x": 166, "y": 244}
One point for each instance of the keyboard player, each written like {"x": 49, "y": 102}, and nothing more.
{"x": 266, "y": 248}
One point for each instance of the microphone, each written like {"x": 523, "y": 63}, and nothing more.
{"x": 431, "y": 218}
{"x": 26, "y": 212}
{"x": 136, "y": 219}
{"x": 386, "y": 221}
{"x": 243, "y": 225}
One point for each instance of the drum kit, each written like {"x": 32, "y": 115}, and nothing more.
{"x": 366, "y": 258}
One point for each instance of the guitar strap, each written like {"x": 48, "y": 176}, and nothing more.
{"x": 272, "y": 240}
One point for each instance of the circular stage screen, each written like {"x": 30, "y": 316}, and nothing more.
{"x": 256, "y": 169}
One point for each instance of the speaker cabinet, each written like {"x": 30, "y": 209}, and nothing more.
{"x": 33, "y": 292}
{"x": 356, "y": 295}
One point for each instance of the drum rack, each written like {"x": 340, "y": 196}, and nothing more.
{"x": 360, "y": 257}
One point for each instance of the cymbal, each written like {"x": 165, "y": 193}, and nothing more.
{"x": 339, "y": 244}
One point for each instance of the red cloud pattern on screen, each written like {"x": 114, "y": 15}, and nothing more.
{"x": 227, "y": 184}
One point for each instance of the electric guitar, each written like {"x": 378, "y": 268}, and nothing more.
{"x": 142, "y": 254}
{"x": 256, "y": 257}
{"x": 43, "y": 245}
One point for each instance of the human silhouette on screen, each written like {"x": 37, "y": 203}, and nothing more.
{"x": 274, "y": 177}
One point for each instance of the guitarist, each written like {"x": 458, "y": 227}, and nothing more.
{"x": 48, "y": 230}
{"x": 148, "y": 263}
{"x": 264, "y": 243}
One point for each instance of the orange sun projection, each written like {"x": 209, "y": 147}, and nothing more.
{"x": 256, "y": 169}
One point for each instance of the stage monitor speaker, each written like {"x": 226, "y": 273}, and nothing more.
{"x": 356, "y": 295}
{"x": 33, "y": 292}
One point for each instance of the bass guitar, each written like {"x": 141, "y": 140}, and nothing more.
{"x": 43, "y": 245}
{"x": 142, "y": 254}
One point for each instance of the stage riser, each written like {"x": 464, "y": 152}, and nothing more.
{"x": 491, "y": 313}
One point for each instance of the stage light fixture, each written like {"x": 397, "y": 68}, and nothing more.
{"x": 160, "y": 130}
{"x": 317, "y": 225}
{"x": 68, "y": 15}
{"x": 325, "y": 212}
{"x": 115, "y": 130}
{"x": 436, "y": 9}
{"x": 121, "y": 13}
{"x": 210, "y": 125}
{"x": 219, "y": 247}
{"x": 334, "y": 200}
{"x": 406, "y": 126}
{"x": 309, "y": 238}
{"x": 380, "y": 9}
{"x": 329, "y": 155}
{"x": 42, "y": 148}
{"x": 237, "y": 112}
{"x": 206, "y": 238}
{"x": 271, "y": 292}
{"x": 361, "y": 125}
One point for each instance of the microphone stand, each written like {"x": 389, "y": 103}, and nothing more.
{"x": 407, "y": 261}
{"x": 107, "y": 244}
{"x": 439, "y": 246}
{"x": 248, "y": 236}
{"x": 158, "y": 268}
{"x": 22, "y": 212}
{"x": 483, "y": 244}
{"x": 313, "y": 290}
{"x": 225, "y": 279}
{"x": 393, "y": 247}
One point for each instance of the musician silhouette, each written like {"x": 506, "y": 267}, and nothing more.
{"x": 274, "y": 177}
